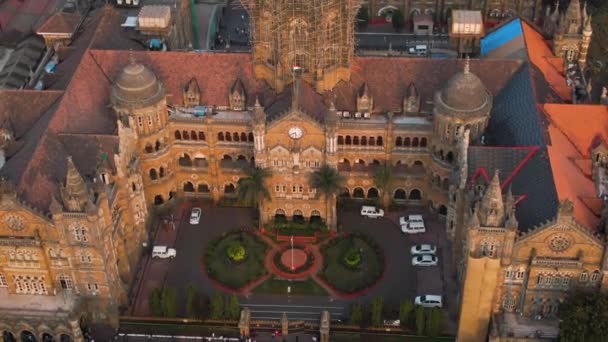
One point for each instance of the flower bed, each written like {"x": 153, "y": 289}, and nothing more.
{"x": 232, "y": 266}
{"x": 352, "y": 263}
{"x": 298, "y": 228}
{"x": 285, "y": 268}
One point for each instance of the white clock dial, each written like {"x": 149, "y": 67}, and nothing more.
{"x": 295, "y": 132}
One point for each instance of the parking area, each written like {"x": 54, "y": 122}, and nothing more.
{"x": 401, "y": 279}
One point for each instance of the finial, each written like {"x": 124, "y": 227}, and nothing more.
{"x": 467, "y": 66}
{"x": 257, "y": 102}
{"x": 332, "y": 106}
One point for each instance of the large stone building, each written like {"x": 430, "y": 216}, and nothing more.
{"x": 465, "y": 139}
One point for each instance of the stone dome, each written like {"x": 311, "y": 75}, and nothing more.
{"x": 136, "y": 85}
{"x": 464, "y": 92}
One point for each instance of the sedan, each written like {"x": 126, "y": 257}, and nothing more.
{"x": 195, "y": 215}
{"x": 423, "y": 249}
{"x": 425, "y": 260}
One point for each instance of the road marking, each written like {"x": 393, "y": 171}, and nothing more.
{"x": 293, "y": 306}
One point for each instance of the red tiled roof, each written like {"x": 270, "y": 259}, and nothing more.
{"x": 586, "y": 126}
{"x": 60, "y": 23}
{"x": 551, "y": 67}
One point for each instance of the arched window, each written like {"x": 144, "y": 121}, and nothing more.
{"x": 379, "y": 141}
{"x": 279, "y": 215}
{"x": 446, "y": 184}
{"x": 228, "y": 136}
{"x": 188, "y": 187}
{"x": 186, "y": 135}
{"x": 358, "y": 193}
{"x": 595, "y": 276}
{"x": 340, "y": 140}
{"x": 415, "y": 195}
{"x": 372, "y": 141}
{"x": 443, "y": 210}
{"x": 243, "y": 137}
{"x": 220, "y": 136}
{"x": 489, "y": 248}
{"x": 161, "y": 172}
{"x": 193, "y": 135}
{"x": 65, "y": 282}
{"x": 227, "y": 158}
{"x": 399, "y": 194}
{"x": 157, "y": 145}
{"x": 372, "y": 193}
{"x": 201, "y": 136}
{"x": 250, "y": 136}
{"x": 153, "y": 174}
{"x": 364, "y": 141}
{"x": 355, "y": 140}
{"x": 407, "y": 142}
{"x": 423, "y": 142}
{"x": 185, "y": 160}
{"x": 415, "y": 142}
{"x": 449, "y": 157}
{"x": 149, "y": 148}
{"x": 235, "y": 136}
{"x": 229, "y": 188}
{"x": 584, "y": 277}
{"x": 398, "y": 141}
{"x": 178, "y": 135}
{"x": 204, "y": 188}
{"x": 348, "y": 140}
{"x": 344, "y": 193}
{"x": 158, "y": 199}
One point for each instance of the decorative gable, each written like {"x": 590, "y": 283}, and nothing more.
{"x": 365, "y": 101}
{"x": 192, "y": 93}
{"x": 411, "y": 101}
{"x": 237, "y": 96}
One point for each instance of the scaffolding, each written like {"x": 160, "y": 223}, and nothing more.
{"x": 316, "y": 35}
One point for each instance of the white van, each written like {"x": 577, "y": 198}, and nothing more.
{"x": 371, "y": 211}
{"x": 429, "y": 301}
{"x": 411, "y": 218}
{"x": 419, "y": 50}
{"x": 162, "y": 252}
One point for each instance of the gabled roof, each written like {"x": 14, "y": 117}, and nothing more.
{"x": 550, "y": 66}
{"x": 60, "y": 23}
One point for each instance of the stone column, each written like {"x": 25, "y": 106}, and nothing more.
{"x": 284, "y": 325}
{"x": 244, "y": 322}
{"x": 76, "y": 331}
{"x": 324, "y": 326}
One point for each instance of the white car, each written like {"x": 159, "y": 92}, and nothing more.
{"x": 371, "y": 211}
{"x": 423, "y": 249}
{"x": 195, "y": 215}
{"x": 411, "y": 218}
{"x": 163, "y": 252}
{"x": 429, "y": 301}
{"x": 424, "y": 260}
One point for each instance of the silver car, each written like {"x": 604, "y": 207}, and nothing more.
{"x": 425, "y": 260}
{"x": 423, "y": 249}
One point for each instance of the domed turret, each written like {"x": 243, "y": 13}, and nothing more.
{"x": 464, "y": 92}
{"x": 136, "y": 86}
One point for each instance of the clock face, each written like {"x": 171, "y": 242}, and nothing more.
{"x": 295, "y": 133}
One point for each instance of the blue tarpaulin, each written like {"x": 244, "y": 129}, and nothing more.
{"x": 501, "y": 36}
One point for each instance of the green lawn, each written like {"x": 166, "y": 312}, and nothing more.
{"x": 276, "y": 286}
{"x": 351, "y": 280}
{"x": 236, "y": 275}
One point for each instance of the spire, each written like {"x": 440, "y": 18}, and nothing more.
{"x": 474, "y": 219}
{"x": 258, "y": 112}
{"x": 463, "y": 156}
{"x": 332, "y": 115}
{"x": 75, "y": 194}
{"x": 555, "y": 15}
{"x": 467, "y": 66}
{"x": 588, "y": 28}
{"x": 492, "y": 206}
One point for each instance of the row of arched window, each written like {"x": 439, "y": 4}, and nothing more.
{"x": 297, "y": 212}
{"x": 398, "y": 194}
{"x": 443, "y": 183}
{"x": 157, "y": 147}
{"x": 363, "y": 141}
{"x": 154, "y": 175}
{"x": 188, "y": 186}
{"x": 235, "y": 137}
{"x": 192, "y": 135}
{"x": 410, "y": 142}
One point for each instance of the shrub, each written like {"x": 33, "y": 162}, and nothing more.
{"x": 170, "y": 304}
{"x": 155, "y": 302}
{"x": 356, "y": 314}
{"x": 233, "y": 309}
{"x": 377, "y": 307}
{"x": 217, "y": 306}
{"x": 352, "y": 257}
{"x": 236, "y": 252}
{"x": 397, "y": 20}
{"x": 405, "y": 313}
{"x": 193, "y": 302}
{"x": 433, "y": 323}
{"x": 420, "y": 320}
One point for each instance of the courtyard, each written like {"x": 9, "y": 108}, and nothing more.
{"x": 271, "y": 295}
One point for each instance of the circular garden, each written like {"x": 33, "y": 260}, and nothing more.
{"x": 293, "y": 262}
{"x": 352, "y": 263}
{"x": 236, "y": 259}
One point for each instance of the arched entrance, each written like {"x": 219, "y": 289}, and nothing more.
{"x": 344, "y": 193}
{"x": 387, "y": 12}
{"x": 399, "y": 194}
{"x": 66, "y": 338}
{"x": 298, "y": 216}
{"x": 315, "y": 216}
{"x": 27, "y": 336}
{"x": 158, "y": 200}
{"x": 443, "y": 210}
{"x": 415, "y": 195}
{"x": 358, "y": 193}
{"x": 188, "y": 187}
{"x": 279, "y": 215}
{"x": 372, "y": 193}
{"x": 8, "y": 336}
{"x": 47, "y": 338}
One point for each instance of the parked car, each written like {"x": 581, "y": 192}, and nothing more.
{"x": 195, "y": 215}
{"x": 163, "y": 252}
{"x": 425, "y": 260}
{"x": 413, "y": 224}
{"x": 429, "y": 301}
{"x": 371, "y": 211}
{"x": 423, "y": 249}
{"x": 411, "y": 218}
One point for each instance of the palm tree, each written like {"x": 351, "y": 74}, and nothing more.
{"x": 384, "y": 178}
{"x": 327, "y": 180}
{"x": 252, "y": 190}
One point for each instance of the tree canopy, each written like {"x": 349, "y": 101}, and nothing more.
{"x": 327, "y": 180}
{"x": 252, "y": 190}
{"x": 584, "y": 317}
